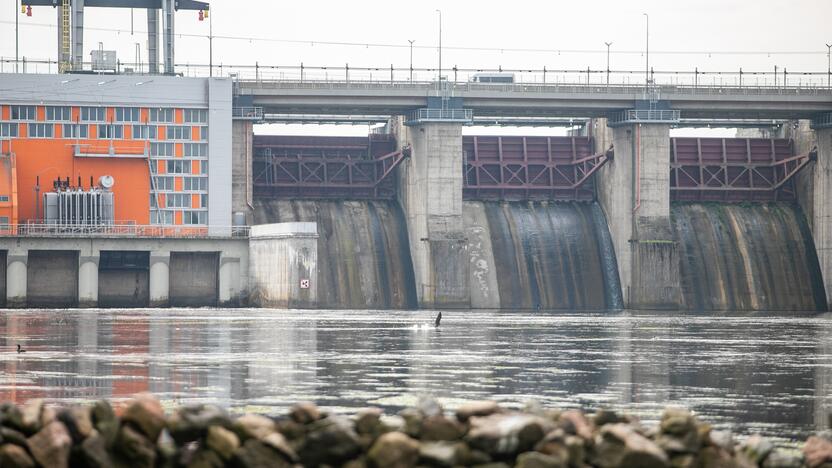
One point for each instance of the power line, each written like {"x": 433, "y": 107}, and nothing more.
{"x": 432, "y": 47}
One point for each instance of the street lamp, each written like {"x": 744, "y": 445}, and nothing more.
{"x": 647, "y": 52}
{"x": 440, "y": 43}
{"x": 829, "y": 65}
{"x": 411, "y": 58}
{"x": 608, "y": 62}
{"x": 16, "y": 35}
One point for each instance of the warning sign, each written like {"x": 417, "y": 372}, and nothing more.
{"x": 304, "y": 284}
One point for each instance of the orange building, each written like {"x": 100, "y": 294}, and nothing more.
{"x": 153, "y": 137}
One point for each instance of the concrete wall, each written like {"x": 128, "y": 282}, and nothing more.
{"x": 219, "y": 159}
{"x": 3, "y": 267}
{"x": 634, "y": 191}
{"x": 284, "y": 260}
{"x": 123, "y": 288}
{"x": 430, "y": 191}
{"x": 242, "y": 139}
{"x": 231, "y": 286}
{"x": 52, "y": 278}
{"x": 194, "y": 279}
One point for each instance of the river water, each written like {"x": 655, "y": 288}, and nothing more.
{"x": 746, "y": 373}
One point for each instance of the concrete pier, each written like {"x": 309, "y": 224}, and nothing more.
{"x": 284, "y": 259}
{"x": 16, "y": 264}
{"x": 88, "y": 281}
{"x": 430, "y": 191}
{"x": 159, "y": 279}
{"x": 242, "y": 137}
{"x": 634, "y": 191}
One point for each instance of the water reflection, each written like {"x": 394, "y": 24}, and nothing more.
{"x": 772, "y": 375}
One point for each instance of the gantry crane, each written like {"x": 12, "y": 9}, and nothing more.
{"x": 71, "y": 27}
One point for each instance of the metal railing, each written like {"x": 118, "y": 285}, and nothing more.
{"x": 591, "y": 77}
{"x": 645, "y": 115}
{"x": 40, "y": 229}
{"x": 247, "y": 113}
{"x": 441, "y": 115}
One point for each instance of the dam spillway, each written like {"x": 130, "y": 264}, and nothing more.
{"x": 747, "y": 257}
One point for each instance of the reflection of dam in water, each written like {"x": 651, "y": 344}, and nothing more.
{"x": 546, "y": 222}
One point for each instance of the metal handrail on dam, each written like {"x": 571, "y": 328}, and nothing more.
{"x": 35, "y": 229}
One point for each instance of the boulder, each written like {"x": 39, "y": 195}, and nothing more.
{"x": 439, "y": 427}
{"x": 331, "y": 441}
{"x": 817, "y": 451}
{"x": 412, "y": 421}
{"x": 51, "y": 445}
{"x": 443, "y": 454}
{"x": 604, "y": 416}
{"x": 539, "y": 460}
{"x": 394, "y": 450}
{"x": 276, "y": 441}
{"x": 476, "y": 408}
{"x": 429, "y": 406}
{"x": 16, "y": 456}
{"x": 619, "y": 445}
{"x": 135, "y": 449}
{"x": 253, "y": 426}
{"x": 30, "y": 416}
{"x": 756, "y": 448}
{"x": 11, "y": 436}
{"x": 105, "y": 421}
{"x": 554, "y": 444}
{"x": 255, "y": 454}
{"x": 305, "y": 413}
{"x": 147, "y": 415}
{"x": 677, "y": 422}
{"x": 222, "y": 441}
{"x": 506, "y": 433}
{"x": 205, "y": 459}
{"x": 192, "y": 422}
{"x": 780, "y": 459}
{"x": 93, "y": 452}
{"x": 580, "y": 425}
{"x": 368, "y": 421}
{"x": 78, "y": 421}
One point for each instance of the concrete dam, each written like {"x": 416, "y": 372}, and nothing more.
{"x": 538, "y": 243}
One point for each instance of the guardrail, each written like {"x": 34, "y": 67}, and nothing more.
{"x": 440, "y": 115}
{"x": 122, "y": 230}
{"x": 668, "y": 116}
{"x": 594, "y": 77}
{"x": 247, "y": 113}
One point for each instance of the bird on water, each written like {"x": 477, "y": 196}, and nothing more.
{"x": 438, "y": 319}
{"x": 20, "y": 350}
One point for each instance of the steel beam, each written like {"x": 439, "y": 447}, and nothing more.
{"x": 155, "y": 4}
{"x": 168, "y": 19}
{"x": 153, "y": 40}
{"x": 77, "y": 24}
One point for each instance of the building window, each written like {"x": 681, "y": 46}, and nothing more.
{"x": 195, "y": 217}
{"x": 203, "y": 167}
{"x": 195, "y": 116}
{"x": 161, "y": 149}
{"x": 40, "y": 130}
{"x": 4, "y": 198}
{"x": 178, "y": 166}
{"x": 203, "y": 133}
{"x": 111, "y": 132}
{"x": 4, "y": 220}
{"x": 195, "y": 184}
{"x": 24, "y": 113}
{"x": 162, "y": 184}
{"x": 93, "y": 114}
{"x": 161, "y": 217}
{"x": 161, "y": 115}
{"x": 76, "y": 131}
{"x": 59, "y": 113}
{"x": 203, "y": 201}
{"x": 195, "y": 150}
{"x": 128, "y": 114}
{"x": 177, "y": 200}
{"x": 178, "y": 132}
{"x": 144, "y": 132}
{"x": 8, "y": 130}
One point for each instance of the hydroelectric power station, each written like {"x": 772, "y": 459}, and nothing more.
{"x": 154, "y": 190}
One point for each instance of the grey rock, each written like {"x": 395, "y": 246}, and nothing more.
{"x": 192, "y": 422}
{"x": 15, "y": 456}
{"x": 476, "y": 408}
{"x": 756, "y": 448}
{"x": 429, "y": 406}
{"x": 677, "y": 422}
{"x": 817, "y": 451}
{"x": 105, "y": 421}
{"x": 619, "y": 445}
{"x": 580, "y": 425}
{"x": 206, "y": 459}
{"x": 506, "y": 433}
{"x": 253, "y": 426}
{"x": 51, "y": 445}
{"x": 255, "y": 454}
{"x": 93, "y": 452}
{"x": 368, "y": 421}
{"x": 331, "y": 441}
{"x": 780, "y": 459}
{"x": 147, "y": 415}
{"x": 412, "y": 421}
{"x": 222, "y": 441}
{"x": 30, "y": 416}
{"x": 539, "y": 460}
{"x": 394, "y": 450}
{"x": 442, "y": 454}
{"x": 11, "y": 436}
{"x": 305, "y": 412}
{"x": 439, "y": 427}
{"x": 135, "y": 448}
{"x": 276, "y": 441}
{"x": 78, "y": 421}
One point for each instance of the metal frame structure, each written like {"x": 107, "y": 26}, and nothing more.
{"x": 530, "y": 168}
{"x": 326, "y": 167}
{"x": 734, "y": 169}
{"x": 41, "y": 228}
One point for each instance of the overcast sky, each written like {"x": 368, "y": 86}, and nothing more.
{"x": 713, "y": 35}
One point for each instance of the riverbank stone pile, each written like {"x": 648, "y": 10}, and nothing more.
{"x": 480, "y": 434}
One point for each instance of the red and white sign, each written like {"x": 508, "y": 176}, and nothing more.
{"x": 304, "y": 284}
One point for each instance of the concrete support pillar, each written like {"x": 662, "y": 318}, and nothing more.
{"x": 88, "y": 281}
{"x": 821, "y": 213}
{"x": 634, "y": 191}
{"x": 242, "y": 142}
{"x": 230, "y": 282}
{"x": 159, "y": 279}
{"x": 283, "y": 269}
{"x": 153, "y": 40}
{"x": 16, "y": 274}
{"x": 168, "y": 14}
{"x": 431, "y": 196}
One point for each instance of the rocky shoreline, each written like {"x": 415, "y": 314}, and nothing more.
{"x": 480, "y": 434}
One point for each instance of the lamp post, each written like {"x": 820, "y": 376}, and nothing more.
{"x": 608, "y": 62}
{"x": 440, "y": 43}
{"x": 16, "y": 35}
{"x": 411, "y": 58}
{"x": 647, "y": 52}
{"x": 210, "y": 44}
{"x": 829, "y": 65}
